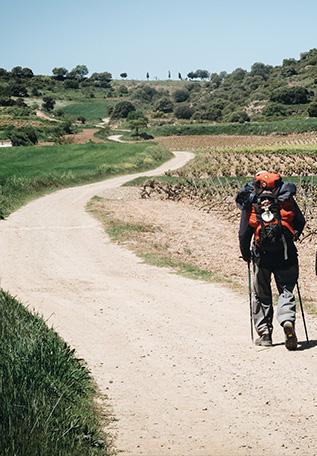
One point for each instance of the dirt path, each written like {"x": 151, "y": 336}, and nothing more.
{"x": 173, "y": 354}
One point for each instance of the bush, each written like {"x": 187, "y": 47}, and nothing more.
{"x": 239, "y": 116}
{"x": 122, "y": 109}
{"x": 275, "y": 110}
{"x": 181, "y": 95}
{"x": 183, "y": 112}
{"x": 71, "y": 84}
{"x": 26, "y": 136}
{"x": 312, "y": 110}
{"x": 291, "y": 95}
{"x": 164, "y": 105}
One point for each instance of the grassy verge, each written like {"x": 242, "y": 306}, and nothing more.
{"x": 26, "y": 172}
{"x": 133, "y": 236}
{"x": 46, "y": 394}
{"x": 297, "y": 125}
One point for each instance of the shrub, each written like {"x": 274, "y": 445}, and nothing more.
{"x": 71, "y": 84}
{"x": 275, "y": 110}
{"x": 122, "y": 109}
{"x": 26, "y": 136}
{"x": 291, "y": 95}
{"x": 48, "y": 103}
{"x": 183, "y": 112}
{"x": 164, "y": 105}
{"x": 312, "y": 110}
{"x": 239, "y": 116}
{"x": 181, "y": 95}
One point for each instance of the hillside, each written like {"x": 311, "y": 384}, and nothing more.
{"x": 265, "y": 93}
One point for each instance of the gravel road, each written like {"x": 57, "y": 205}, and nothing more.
{"x": 174, "y": 355}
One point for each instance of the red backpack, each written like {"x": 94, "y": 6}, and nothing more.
{"x": 271, "y": 216}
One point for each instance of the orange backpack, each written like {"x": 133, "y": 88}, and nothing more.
{"x": 270, "y": 216}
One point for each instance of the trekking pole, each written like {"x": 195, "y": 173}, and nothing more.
{"x": 250, "y": 300}
{"x": 302, "y": 310}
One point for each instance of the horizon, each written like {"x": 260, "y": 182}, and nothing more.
{"x": 133, "y": 38}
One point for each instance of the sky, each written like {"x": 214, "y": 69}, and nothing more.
{"x": 140, "y": 36}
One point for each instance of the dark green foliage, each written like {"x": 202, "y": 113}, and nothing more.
{"x": 164, "y": 105}
{"x": 79, "y": 72}
{"x": 17, "y": 90}
{"x": 122, "y": 109}
{"x": 25, "y": 136}
{"x": 60, "y": 73}
{"x": 291, "y": 95}
{"x": 181, "y": 95}
{"x": 183, "y": 112}
{"x": 239, "y": 116}
{"x": 71, "y": 84}
{"x": 275, "y": 110}
{"x": 46, "y": 394}
{"x": 48, "y": 103}
{"x": 312, "y": 110}
{"x": 123, "y": 75}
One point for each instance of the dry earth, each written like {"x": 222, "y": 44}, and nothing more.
{"x": 187, "y": 234}
{"x": 173, "y": 354}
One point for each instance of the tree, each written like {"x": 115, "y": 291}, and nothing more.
{"x": 60, "y": 73}
{"x": 262, "y": 70}
{"x": 312, "y": 110}
{"x": 17, "y": 90}
{"x": 181, "y": 95}
{"x": 123, "y": 75}
{"x": 291, "y": 95}
{"x": 169, "y": 74}
{"x": 48, "y": 103}
{"x": 26, "y": 136}
{"x": 239, "y": 116}
{"x": 180, "y": 77}
{"x": 71, "y": 84}
{"x": 147, "y": 76}
{"x": 17, "y": 72}
{"x": 183, "y": 112}
{"x": 27, "y": 73}
{"x": 122, "y": 109}
{"x": 79, "y": 72}
{"x": 202, "y": 74}
{"x": 137, "y": 120}
{"x": 165, "y": 105}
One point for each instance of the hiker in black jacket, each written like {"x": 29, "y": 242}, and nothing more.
{"x": 271, "y": 217}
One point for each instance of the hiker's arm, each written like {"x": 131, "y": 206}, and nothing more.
{"x": 299, "y": 220}
{"x": 245, "y": 236}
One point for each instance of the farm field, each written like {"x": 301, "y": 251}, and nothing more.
{"x": 91, "y": 110}
{"x": 29, "y": 171}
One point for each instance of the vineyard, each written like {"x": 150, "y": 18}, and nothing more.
{"x": 212, "y": 180}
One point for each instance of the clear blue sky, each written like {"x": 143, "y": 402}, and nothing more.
{"x": 136, "y": 36}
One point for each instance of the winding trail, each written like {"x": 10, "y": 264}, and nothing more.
{"x": 173, "y": 354}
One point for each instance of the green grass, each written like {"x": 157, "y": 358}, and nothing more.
{"x": 26, "y": 172}
{"x": 291, "y": 125}
{"x": 46, "y": 393}
{"x": 91, "y": 110}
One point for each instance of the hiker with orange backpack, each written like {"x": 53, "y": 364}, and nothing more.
{"x": 271, "y": 217}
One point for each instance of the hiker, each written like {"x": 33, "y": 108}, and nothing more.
{"x": 271, "y": 216}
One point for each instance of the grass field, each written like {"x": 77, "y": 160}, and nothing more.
{"x": 91, "y": 110}
{"x": 291, "y": 125}
{"x": 46, "y": 394}
{"x": 29, "y": 171}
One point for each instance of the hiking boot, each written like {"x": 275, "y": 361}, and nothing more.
{"x": 265, "y": 340}
{"x": 290, "y": 335}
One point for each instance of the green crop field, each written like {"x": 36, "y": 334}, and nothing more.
{"x": 29, "y": 171}
{"x": 291, "y": 125}
{"x": 91, "y": 110}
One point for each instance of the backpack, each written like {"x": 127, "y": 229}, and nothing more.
{"x": 270, "y": 210}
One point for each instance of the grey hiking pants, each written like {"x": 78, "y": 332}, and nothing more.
{"x": 262, "y": 304}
